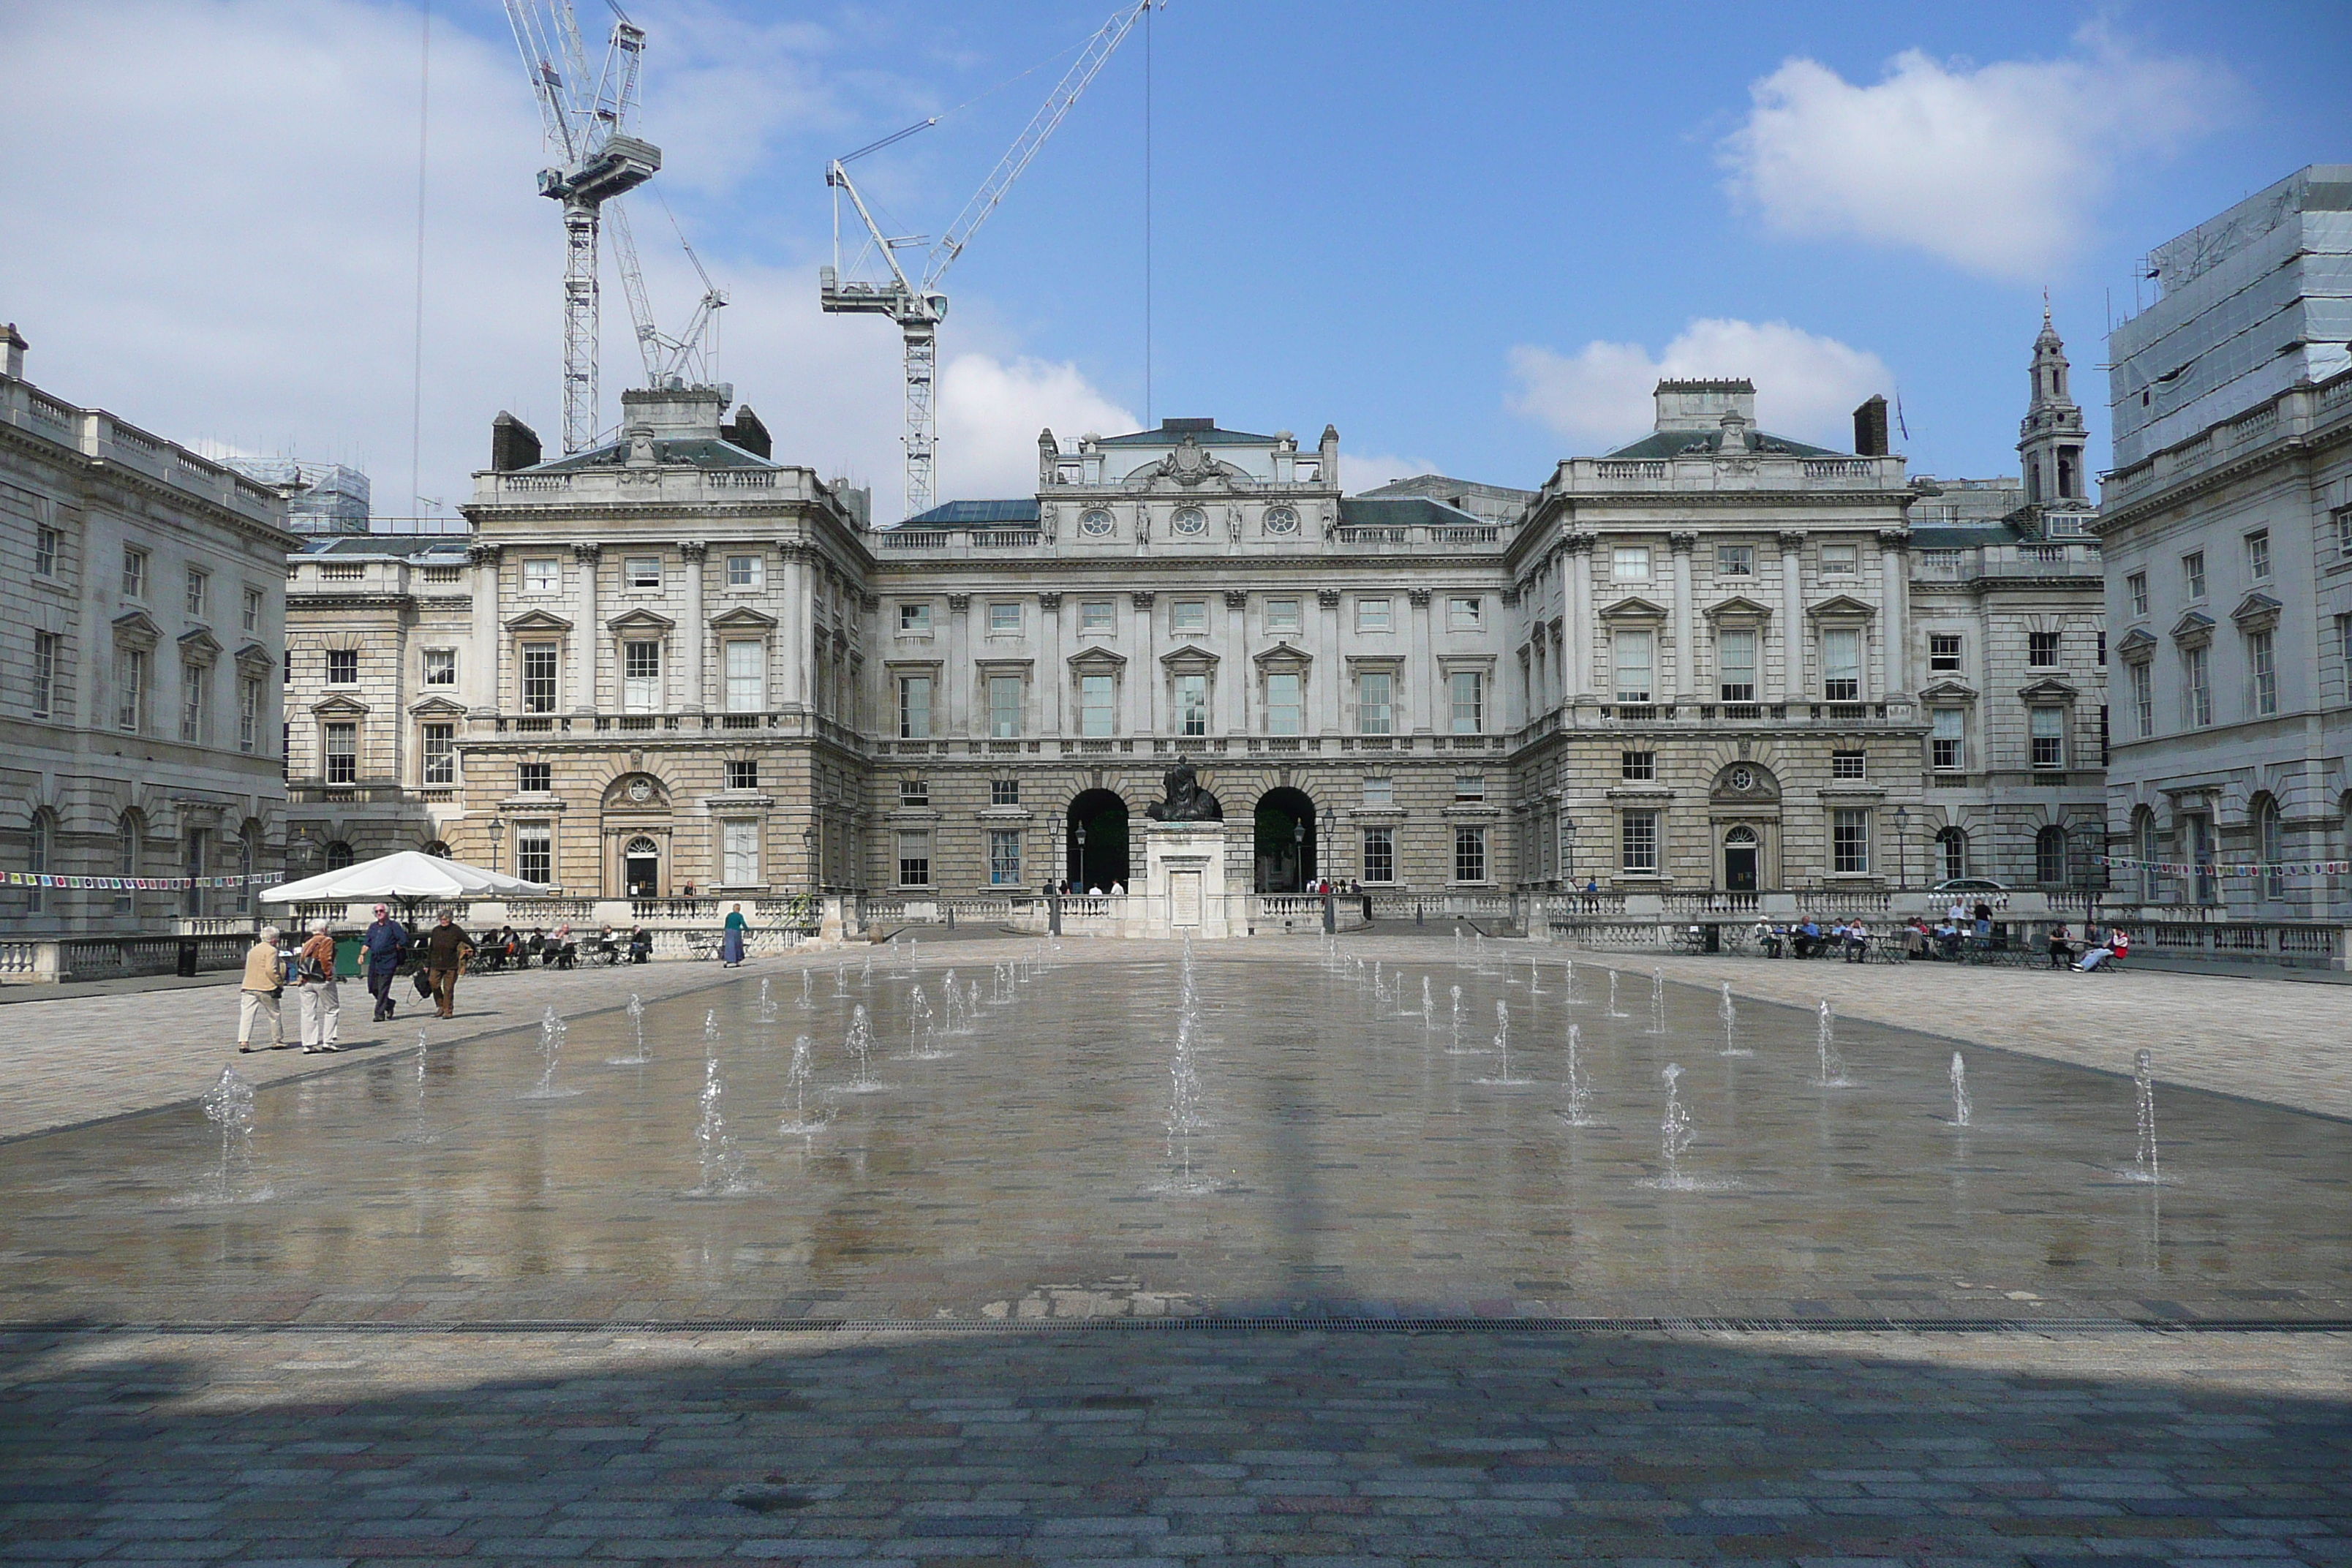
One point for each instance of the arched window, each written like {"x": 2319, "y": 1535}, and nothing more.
{"x": 2145, "y": 846}
{"x": 438, "y": 849}
{"x": 249, "y": 853}
{"x": 2049, "y": 857}
{"x": 2270, "y": 845}
{"x": 126, "y": 861}
{"x": 1953, "y": 842}
{"x": 339, "y": 855}
{"x": 36, "y": 861}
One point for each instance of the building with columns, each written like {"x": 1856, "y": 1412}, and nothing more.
{"x": 1714, "y": 661}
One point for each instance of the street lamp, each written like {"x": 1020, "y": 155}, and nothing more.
{"x": 1299, "y": 848}
{"x": 497, "y": 835}
{"x": 1568, "y": 848}
{"x": 1079, "y": 834}
{"x": 1330, "y": 832}
{"x": 1901, "y": 849}
{"x": 808, "y": 848}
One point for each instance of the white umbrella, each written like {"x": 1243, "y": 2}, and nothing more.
{"x": 410, "y": 874}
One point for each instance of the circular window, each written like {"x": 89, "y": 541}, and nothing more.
{"x": 1743, "y": 778}
{"x": 1281, "y": 520}
{"x": 1189, "y": 521}
{"x": 641, "y": 790}
{"x": 1095, "y": 524}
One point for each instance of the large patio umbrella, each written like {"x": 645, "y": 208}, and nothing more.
{"x": 409, "y": 874}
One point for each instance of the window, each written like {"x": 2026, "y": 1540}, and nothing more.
{"x": 1285, "y": 703}
{"x": 1849, "y": 765}
{"x": 1372, "y": 616}
{"x": 2258, "y": 556}
{"x": 440, "y": 667}
{"x": 534, "y": 778}
{"x": 1004, "y": 857}
{"x": 914, "y": 858}
{"x": 1944, "y": 653}
{"x": 1096, "y": 696}
{"x": 1639, "y": 766}
{"x": 1839, "y": 560}
{"x": 2136, "y": 586}
{"x": 200, "y": 587}
{"x": 742, "y": 775}
{"x": 2193, "y": 572}
{"x": 1850, "y": 841}
{"x": 914, "y": 619}
{"x": 914, "y": 707}
{"x": 2264, "y": 663}
{"x": 46, "y": 541}
{"x": 1630, "y": 653}
{"x": 1004, "y": 706}
{"x": 2270, "y": 833}
{"x": 249, "y": 714}
{"x": 1469, "y": 854}
{"x": 2049, "y": 857}
{"x": 1469, "y": 787}
{"x": 134, "y": 574}
{"x": 195, "y": 686}
{"x": 1375, "y": 702}
{"x": 1734, "y": 659}
{"x": 1953, "y": 844}
{"x": 641, "y": 571}
{"x": 1468, "y": 690}
{"x": 343, "y": 666}
{"x": 534, "y": 851}
{"x": 2099, "y": 651}
{"x": 2196, "y": 691}
{"x": 1380, "y": 791}
{"x": 2343, "y": 516}
{"x": 1097, "y": 615}
{"x": 746, "y": 666}
{"x": 130, "y": 691}
{"x": 1192, "y": 704}
{"x": 1945, "y": 740}
{"x": 1380, "y": 854}
{"x": 1637, "y": 843}
{"x": 913, "y": 793}
{"x": 743, "y": 572}
{"x": 1465, "y": 615}
{"x": 1628, "y": 564}
{"x": 48, "y": 648}
{"x": 538, "y": 678}
{"x": 126, "y": 859}
{"x": 640, "y": 676}
{"x": 1735, "y": 561}
{"x": 340, "y": 856}
{"x": 739, "y": 845}
{"x": 36, "y": 861}
{"x": 2046, "y": 727}
{"x": 2042, "y": 650}
{"x": 541, "y": 575}
{"x": 1004, "y": 792}
{"x": 2143, "y": 691}
{"x": 1003, "y": 620}
{"x": 342, "y": 754}
{"x": 1282, "y": 614}
{"x": 440, "y": 754}
{"x": 1189, "y": 616}
{"x": 1842, "y": 663}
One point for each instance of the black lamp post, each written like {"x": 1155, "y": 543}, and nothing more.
{"x": 1568, "y": 850}
{"x": 498, "y": 838}
{"x": 1299, "y": 848}
{"x": 808, "y": 848}
{"x": 1330, "y": 915}
{"x": 1901, "y": 849}
{"x": 1080, "y": 835}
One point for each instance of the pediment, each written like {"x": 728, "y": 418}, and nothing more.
{"x": 255, "y": 656}
{"x": 1843, "y": 606}
{"x": 2192, "y": 629}
{"x": 1192, "y": 656}
{"x": 199, "y": 644}
{"x": 1948, "y": 692}
{"x": 743, "y": 618}
{"x": 2136, "y": 644}
{"x": 2048, "y": 690}
{"x": 1633, "y": 609}
{"x": 1096, "y": 658}
{"x": 2256, "y": 612}
{"x": 1740, "y": 607}
{"x": 640, "y": 620}
{"x": 1282, "y": 653}
{"x": 438, "y": 705}
{"x": 538, "y": 621}
{"x": 339, "y": 707}
{"x": 138, "y": 625}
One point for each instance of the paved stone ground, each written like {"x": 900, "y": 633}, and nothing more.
{"x": 1311, "y": 1449}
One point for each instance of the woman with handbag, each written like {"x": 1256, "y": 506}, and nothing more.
{"x": 314, "y": 983}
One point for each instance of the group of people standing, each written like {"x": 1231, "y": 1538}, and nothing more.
{"x": 271, "y": 968}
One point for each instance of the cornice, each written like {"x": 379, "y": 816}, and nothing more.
{"x": 2286, "y": 450}
{"x": 148, "y": 485}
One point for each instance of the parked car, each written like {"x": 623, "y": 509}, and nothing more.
{"x": 1969, "y": 885}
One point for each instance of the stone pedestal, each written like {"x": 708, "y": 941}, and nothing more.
{"x": 1184, "y": 887}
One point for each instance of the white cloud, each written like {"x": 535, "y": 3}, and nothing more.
{"x": 1994, "y": 168}
{"x": 991, "y": 410}
{"x": 1362, "y": 471}
{"x": 1806, "y": 385}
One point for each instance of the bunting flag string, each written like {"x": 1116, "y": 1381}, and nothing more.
{"x": 133, "y": 884}
{"x": 2235, "y": 868}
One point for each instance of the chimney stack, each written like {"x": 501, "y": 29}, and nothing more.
{"x": 16, "y": 345}
{"x": 1870, "y": 428}
{"x": 747, "y": 432}
{"x": 513, "y": 444}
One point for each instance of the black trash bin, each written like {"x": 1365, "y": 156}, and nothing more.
{"x": 1713, "y": 940}
{"x": 187, "y": 968}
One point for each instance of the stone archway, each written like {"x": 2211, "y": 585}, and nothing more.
{"x": 1095, "y": 841}
{"x": 1286, "y": 846}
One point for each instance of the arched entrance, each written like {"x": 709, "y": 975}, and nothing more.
{"x": 640, "y": 868}
{"x": 1285, "y": 841}
{"x": 1740, "y": 848}
{"x": 1096, "y": 841}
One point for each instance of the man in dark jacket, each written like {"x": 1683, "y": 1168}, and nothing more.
{"x": 445, "y": 951}
{"x": 379, "y": 949}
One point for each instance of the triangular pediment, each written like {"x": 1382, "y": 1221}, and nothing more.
{"x": 743, "y": 618}
{"x": 1633, "y": 607}
{"x": 1191, "y": 655}
{"x": 2137, "y": 643}
{"x": 199, "y": 644}
{"x": 1096, "y": 658}
{"x": 2255, "y": 612}
{"x": 339, "y": 707}
{"x": 1740, "y": 607}
{"x": 1842, "y": 606}
{"x": 1948, "y": 692}
{"x": 2196, "y": 626}
{"x": 437, "y": 706}
{"x": 1282, "y": 653}
{"x": 538, "y": 621}
{"x": 640, "y": 620}
{"x": 2048, "y": 690}
{"x": 138, "y": 625}
{"x": 255, "y": 656}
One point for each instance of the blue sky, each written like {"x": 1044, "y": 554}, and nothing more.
{"x": 1467, "y": 234}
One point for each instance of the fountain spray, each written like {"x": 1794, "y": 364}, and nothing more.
{"x": 228, "y": 1105}
{"x": 1503, "y": 1045}
{"x": 722, "y": 1163}
{"x": 1673, "y": 1130}
{"x": 796, "y": 1079}
{"x": 860, "y": 1045}
{"x": 806, "y": 977}
{"x": 767, "y": 1003}
{"x": 1657, "y": 1001}
{"x": 1456, "y": 1049}
{"x": 1730, "y": 1016}
{"x": 1184, "y": 1078}
{"x": 1580, "y": 1087}
{"x": 1613, "y": 997}
{"x": 1960, "y": 1075}
{"x": 1428, "y": 1009}
{"x": 551, "y": 1048}
{"x": 2144, "y": 1080}
{"x": 1825, "y": 1037}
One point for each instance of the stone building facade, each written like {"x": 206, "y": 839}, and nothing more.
{"x": 1706, "y": 662}
{"x": 142, "y": 611}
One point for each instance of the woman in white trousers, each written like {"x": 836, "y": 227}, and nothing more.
{"x": 322, "y": 1003}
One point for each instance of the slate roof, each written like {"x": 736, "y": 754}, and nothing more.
{"x": 1962, "y": 536}
{"x": 973, "y": 513}
{"x": 1673, "y": 443}
{"x": 702, "y": 451}
{"x": 1171, "y": 432}
{"x": 1398, "y": 511}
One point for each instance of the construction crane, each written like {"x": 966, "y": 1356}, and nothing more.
{"x": 917, "y": 308}
{"x": 693, "y": 355}
{"x": 587, "y": 123}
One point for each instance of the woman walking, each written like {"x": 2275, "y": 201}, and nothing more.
{"x": 730, "y": 946}
{"x": 314, "y": 981}
{"x": 257, "y": 993}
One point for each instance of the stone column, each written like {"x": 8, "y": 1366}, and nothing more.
{"x": 1576, "y": 617}
{"x": 1791, "y": 684}
{"x": 587, "y": 637}
{"x": 691, "y": 655}
{"x": 1685, "y": 686}
{"x": 1050, "y": 668}
{"x": 1234, "y": 664}
{"x": 794, "y": 627}
{"x": 1421, "y": 680}
{"x": 958, "y": 673}
{"x": 1329, "y": 671}
{"x": 1143, "y": 671}
{"x": 1895, "y": 587}
{"x": 482, "y": 666}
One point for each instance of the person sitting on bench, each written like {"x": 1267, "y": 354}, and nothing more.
{"x": 560, "y": 948}
{"x": 641, "y": 946}
{"x": 2117, "y": 945}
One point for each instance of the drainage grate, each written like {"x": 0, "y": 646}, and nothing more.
{"x": 1339, "y": 1325}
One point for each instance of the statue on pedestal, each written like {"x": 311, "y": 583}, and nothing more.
{"x": 1186, "y": 800}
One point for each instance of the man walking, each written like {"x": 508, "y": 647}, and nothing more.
{"x": 380, "y": 950}
{"x": 315, "y": 983}
{"x": 258, "y": 992}
{"x": 445, "y": 951}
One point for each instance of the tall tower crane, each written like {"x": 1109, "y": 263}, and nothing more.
{"x": 587, "y": 123}
{"x": 919, "y": 307}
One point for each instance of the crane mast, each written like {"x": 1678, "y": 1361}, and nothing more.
{"x": 918, "y": 308}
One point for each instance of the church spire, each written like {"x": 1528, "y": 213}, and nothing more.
{"x": 2051, "y": 436}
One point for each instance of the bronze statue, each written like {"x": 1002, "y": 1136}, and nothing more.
{"x": 1186, "y": 800}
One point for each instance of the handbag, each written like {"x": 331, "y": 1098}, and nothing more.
{"x": 424, "y": 983}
